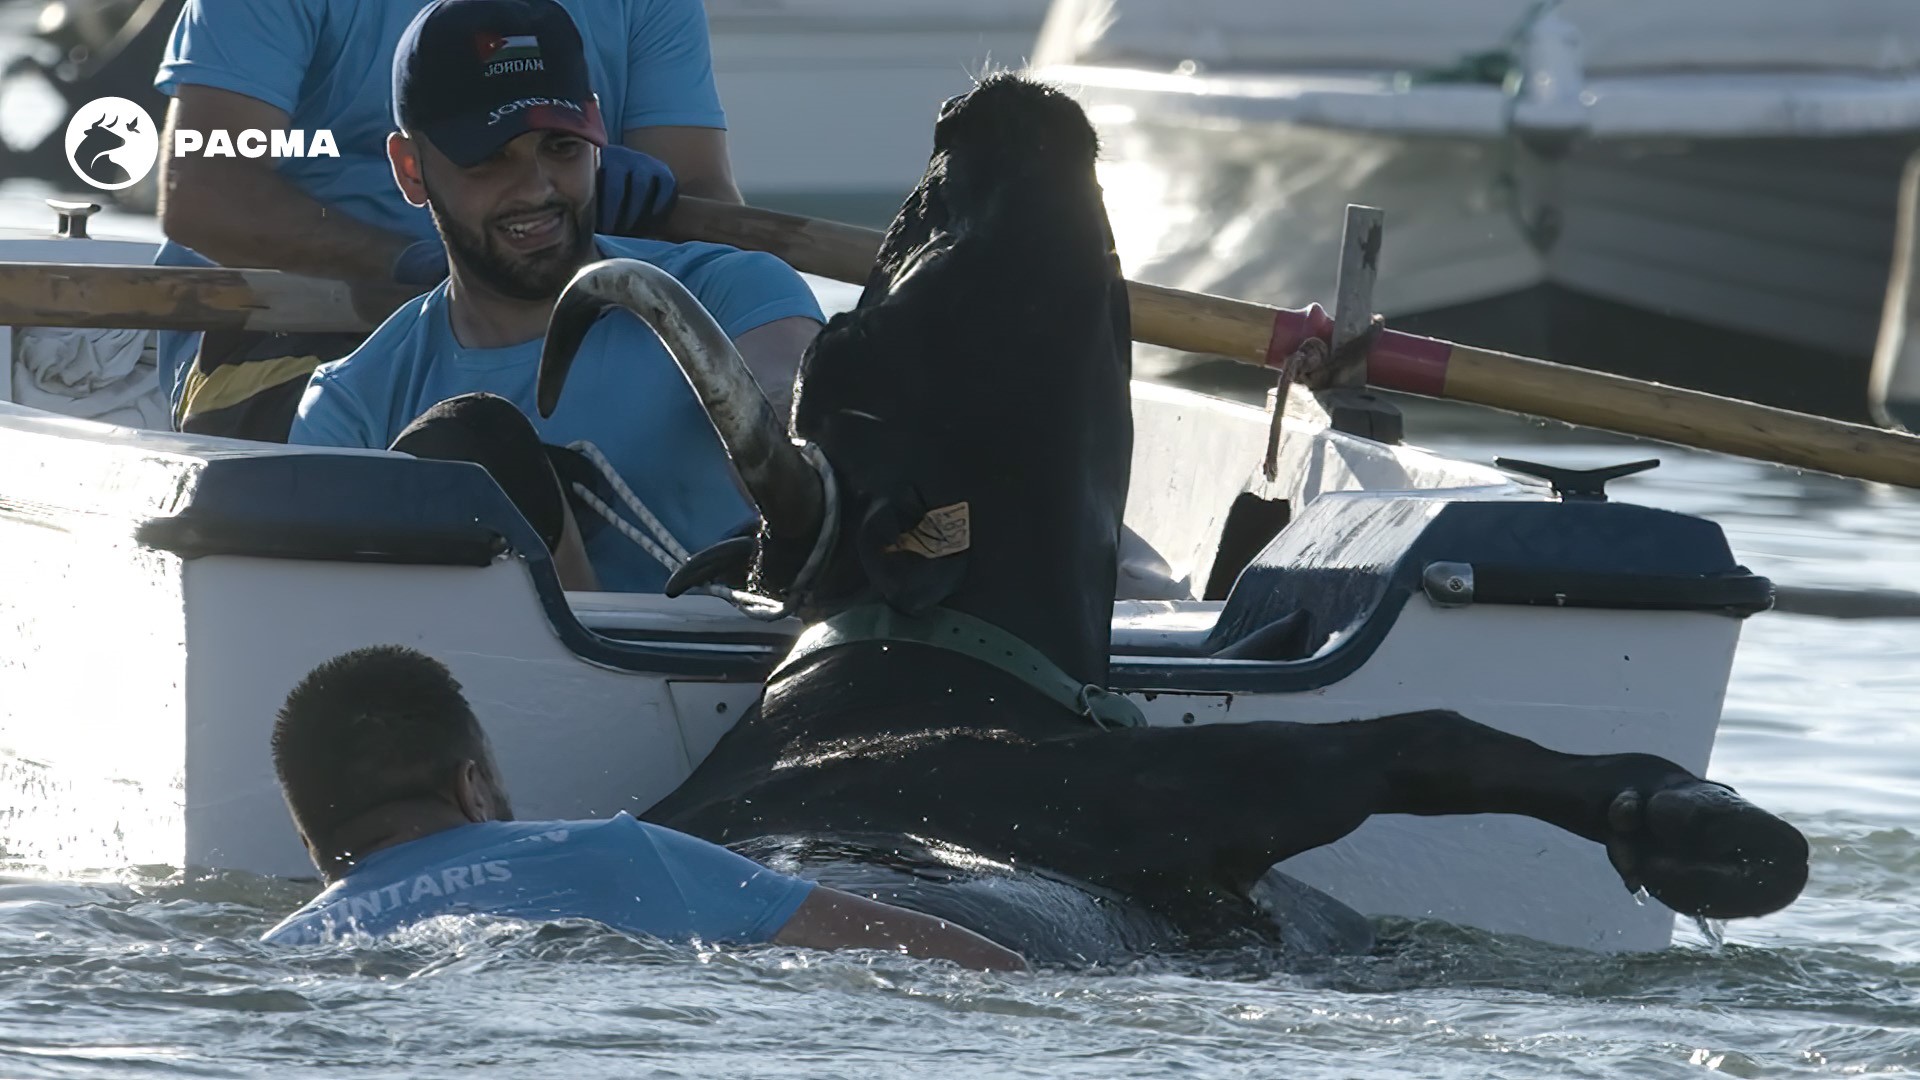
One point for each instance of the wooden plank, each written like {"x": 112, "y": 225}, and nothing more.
{"x": 189, "y": 298}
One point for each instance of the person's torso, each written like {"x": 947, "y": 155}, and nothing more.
{"x": 624, "y": 394}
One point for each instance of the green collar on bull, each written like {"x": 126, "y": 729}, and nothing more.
{"x": 961, "y": 633}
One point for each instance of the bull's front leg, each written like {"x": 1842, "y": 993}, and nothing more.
{"x": 1242, "y": 797}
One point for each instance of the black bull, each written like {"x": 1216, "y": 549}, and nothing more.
{"x": 987, "y": 364}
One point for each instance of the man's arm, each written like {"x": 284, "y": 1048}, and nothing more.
{"x": 330, "y": 415}
{"x": 697, "y": 156}
{"x": 772, "y": 353}
{"x": 831, "y": 919}
{"x": 239, "y": 212}
{"x": 672, "y": 107}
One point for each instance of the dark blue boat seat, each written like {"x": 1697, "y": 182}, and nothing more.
{"x": 1351, "y": 558}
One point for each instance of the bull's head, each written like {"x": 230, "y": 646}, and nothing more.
{"x": 100, "y": 138}
{"x": 974, "y": 405}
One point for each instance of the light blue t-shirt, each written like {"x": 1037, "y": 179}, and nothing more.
{"x": 631, "y": 875}
{"x": 624, "y": 394}
{"x": 328, "y": 64}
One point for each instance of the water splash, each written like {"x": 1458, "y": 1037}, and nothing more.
{"x": 1714, "y": 930}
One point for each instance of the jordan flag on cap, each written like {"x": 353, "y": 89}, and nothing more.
{"x": 500, "y": 48}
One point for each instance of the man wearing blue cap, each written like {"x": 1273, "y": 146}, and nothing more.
{"x": 499, "y": 135}
{"x": 305, "y": 65}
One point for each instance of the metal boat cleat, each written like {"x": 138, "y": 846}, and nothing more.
{"x": 73, "y": 218}
{"x": 1577, "y": 485}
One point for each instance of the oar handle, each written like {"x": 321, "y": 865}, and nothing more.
{"x": 39, "y": 294}
{"x": 1259, "y": 334}
{"x": 1190, "y": 322}
{"x": 812, "y": 246}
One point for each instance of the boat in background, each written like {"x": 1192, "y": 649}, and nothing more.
{"x": 1700, "y": 194}
{"x": 1896, "y": 360}
{"x": 830, "y": 103}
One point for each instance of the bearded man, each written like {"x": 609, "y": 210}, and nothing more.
{"x": 505, "y": 158}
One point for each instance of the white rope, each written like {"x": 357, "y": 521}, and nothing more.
{"x": 657, "y": 541}
{"x": 626, "y": 527}
{"x": 660, "y": 532}
{"x": 670, "y": 553}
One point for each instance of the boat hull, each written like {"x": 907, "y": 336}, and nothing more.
{"x": 135, "y": 708}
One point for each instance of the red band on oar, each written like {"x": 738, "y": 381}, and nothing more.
{"x": 1399, "y": 361}
{"x": 1290, "y": 328}
{"x": 1410, "y": 363}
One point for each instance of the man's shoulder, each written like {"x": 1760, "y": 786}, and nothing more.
{"x": 508, "y": 839}
{"x": 679, "y": 259}
{"x": 538, "y": 833}
{"x": 742, "y": 288}
{"x": 404, "y": 335}
{"x": 488, "y": 833}
{"x": 622, "y": 830}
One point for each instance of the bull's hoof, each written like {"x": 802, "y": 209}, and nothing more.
{"x": 1700, "y": 849}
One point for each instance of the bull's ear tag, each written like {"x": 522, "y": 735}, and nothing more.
{"x": 945, "y": 530}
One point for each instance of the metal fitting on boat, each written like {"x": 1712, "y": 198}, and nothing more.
{"x": 73, "y": 217}
{"x": 1448, "y": 584}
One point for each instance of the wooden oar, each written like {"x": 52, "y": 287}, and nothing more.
{"x": 1832, "y": 603}
{"x": 1258, "y": 334}
{"x": 38, "y": 294}
{"x": 188, "y": 298}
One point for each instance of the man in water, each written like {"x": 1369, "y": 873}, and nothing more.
{"x": 272, "y": 65}
{"x": 505, "y": 163}
{"x": 393, "y": 788}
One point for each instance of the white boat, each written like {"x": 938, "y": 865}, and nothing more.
{"x": 830, "y": 103}
{"x": 165, "y": 591}
{"x": 1697, "y": 193}
{"x": 1895, "y": 387}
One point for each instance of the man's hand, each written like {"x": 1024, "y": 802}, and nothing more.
{"x": 635, "y": 192}
{"x": 831, "y": 919}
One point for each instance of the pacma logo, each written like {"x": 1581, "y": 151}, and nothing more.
{"x": 507, "y": 54}
{"x": 112, "y": 143}
{"x": 253, "y": 143}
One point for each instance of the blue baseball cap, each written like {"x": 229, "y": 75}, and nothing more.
{"x": 472, "y": 75}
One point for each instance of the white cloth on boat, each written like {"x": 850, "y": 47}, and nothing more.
{"x": 95, "y": 374}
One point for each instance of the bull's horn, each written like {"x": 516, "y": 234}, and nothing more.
{"x": 777, "y": 478}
